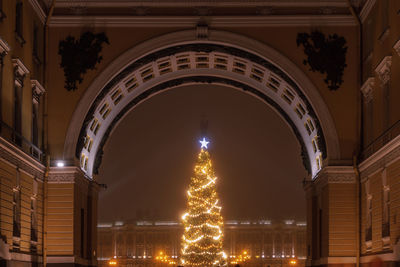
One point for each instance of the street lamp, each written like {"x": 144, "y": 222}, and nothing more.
{"x": 112, "y": 262}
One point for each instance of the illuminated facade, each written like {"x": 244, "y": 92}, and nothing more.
{"x": 51, "y": 139}
{"x": 264, "y": 242}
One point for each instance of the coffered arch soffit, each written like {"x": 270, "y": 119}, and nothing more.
{"x": 180, "y": 58}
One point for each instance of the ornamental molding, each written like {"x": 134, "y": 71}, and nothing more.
{"x": 380, "y": 159}
{"x": 205, "y": 3}
{"x": 4, "y": 47}
{"x": 334, "y": 175}
{"x": 367, "y": 89}
{"x": 37, "y": 91}
{"x": 15, "y": 157}
{"x": 335, "y": 260}
{"x": 19, "y": 67}
{"x": 38, "y": 10}
{"x": 191, "y": 21}
{"x": 396, "y": 47}
{"x": 391, "y": 256}
{"x": 20, "y": 71}
{"x": 367, "y": 9}
{"x": 202, "y": 31}
{"x": 67, "y": 175}
{"x": 383, "y": 69}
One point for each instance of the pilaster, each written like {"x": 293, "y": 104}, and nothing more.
{"x": 71, "y": 213}
{"x": 334, "y": 217}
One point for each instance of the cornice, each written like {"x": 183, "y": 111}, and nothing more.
{"x": 38, "y": 10}
{"x": 37, "y": 90}
{"x": 384, "y": 156}
{"x": 367, "y": 9}
{"x": 67, "y": 175}
{"x": 334, "y": 175}
{"x": 204, "y": 3}
{"x": 14, "y": 156}
{"x": 20, "y": 68}
{"x": 192, "y": 21}
{"x": 367, "y": 89}
{"x": 396, "y": 47}
{"x": 383, "y": 69}
{"x": 4, "y": 47}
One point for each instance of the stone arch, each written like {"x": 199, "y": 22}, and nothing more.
{"x": 180, "y": 58}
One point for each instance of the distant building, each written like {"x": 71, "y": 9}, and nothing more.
{"x": 264, "y": 243}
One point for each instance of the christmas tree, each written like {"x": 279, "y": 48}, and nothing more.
{"x": 202, "y": 238}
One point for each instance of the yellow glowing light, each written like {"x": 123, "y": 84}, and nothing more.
{"x": 293, "y": 262}
{"x": 112, "y": 262}
{"x": 203, "y": 236}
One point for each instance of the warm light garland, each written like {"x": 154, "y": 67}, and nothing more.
{"x": 203, "y": 236}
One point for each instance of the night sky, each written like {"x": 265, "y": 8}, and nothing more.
{"x": 149, "y": 158}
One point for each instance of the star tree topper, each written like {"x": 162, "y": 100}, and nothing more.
{"x": 204, "y": 143}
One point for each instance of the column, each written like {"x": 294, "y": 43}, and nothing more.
{"x": 20, "y": 71}
{"x": 4, "y": 49}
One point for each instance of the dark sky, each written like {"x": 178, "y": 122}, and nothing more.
{"x": 149, "y": 158}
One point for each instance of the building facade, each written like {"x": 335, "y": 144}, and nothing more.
{"x": 56, "y": 115}
{"x": 258, "y": 243}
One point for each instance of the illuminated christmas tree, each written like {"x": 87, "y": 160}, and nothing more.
{"x": 202, "y": 238}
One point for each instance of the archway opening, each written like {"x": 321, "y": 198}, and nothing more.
{"x": 153, "y": 150}
{"x": 148, "y": 161}
{"x": 201, "y": 63}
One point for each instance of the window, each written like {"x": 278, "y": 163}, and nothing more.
{"x": 37, "y": 92}
{"x": 35, "y": 41}
{"x": 4, "y": 49}
{"x": 2, "y": 15}
{"x": 368, "y": 122}
{"x": 20, "y": 72}
{"x": 385, "y": 18}
{"x": 368, "y": 34}
{"x": 386, "y": 212}
{"x": 17, "y": 213}
{"x": 82, "y": 233}
{"x": 34, "y": 230}
{"x": 18, "y": 114}
{"x": 35, "y": 121}
{"x": 385, "y": 209}
{"x": 19, "y": 23}
{"x": 368, "y": 216}
{"x": 386, "y": 106}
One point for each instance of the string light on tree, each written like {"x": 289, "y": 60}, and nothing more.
{"x": 203, "y": 236}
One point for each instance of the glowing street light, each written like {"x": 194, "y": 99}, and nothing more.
{"x": 164, "y": 258}
{"x": 112, "y": 262}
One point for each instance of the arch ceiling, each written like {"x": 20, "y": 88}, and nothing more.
{"x": 200, "y": 61}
